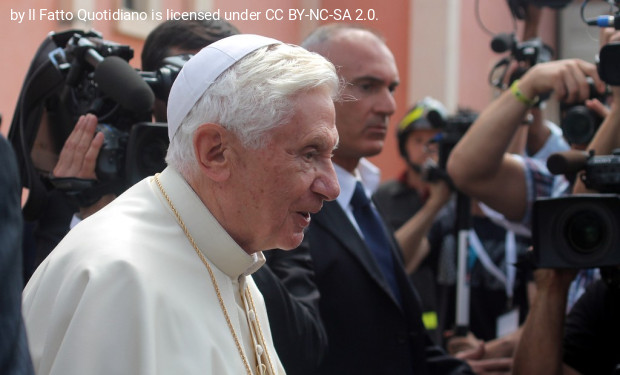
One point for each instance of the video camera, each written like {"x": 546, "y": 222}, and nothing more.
{"x": 74, "y": 73}
{"x": 580, "y": 231}
{"x": 526, "y": 54}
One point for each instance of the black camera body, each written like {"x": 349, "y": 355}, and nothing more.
{"x": 608, "y": 63}
{"x": 526, "y": 54}
{"x": 454, "y": 128}
{"x": 578, "y": 122}
{"x": 579, "y": 231}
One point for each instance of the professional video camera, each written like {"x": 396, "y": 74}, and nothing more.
{"x": 580, "y": 231}
{"x": 74, "y": 73}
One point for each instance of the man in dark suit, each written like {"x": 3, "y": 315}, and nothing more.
{"x": 370, "y": 311}
{"x": 14, "y": 355}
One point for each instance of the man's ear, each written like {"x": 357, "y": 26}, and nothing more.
{"x": 210, "y": 147}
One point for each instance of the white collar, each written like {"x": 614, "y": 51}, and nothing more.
{"x": 210, "y": 237}
{"x": 366, "y": 172}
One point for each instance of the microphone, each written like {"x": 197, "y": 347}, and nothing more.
{"x": 503, "y": 42}
{"x": 117, "y": 79}
{"x": 567, "y": 162}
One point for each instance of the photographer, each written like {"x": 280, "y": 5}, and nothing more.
{"x": 479, "y": 164}
{"x": 411, "y": 203}
{"x": 586, "y": 340}
{"x": 412, "y": 192}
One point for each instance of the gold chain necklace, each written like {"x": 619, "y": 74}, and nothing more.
{"x": 260, "y": 331}
{"x": 217, "y": 288}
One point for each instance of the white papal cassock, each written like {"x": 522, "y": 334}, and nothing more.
{"x": 125, "y": 293}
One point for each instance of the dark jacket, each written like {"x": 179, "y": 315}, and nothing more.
{"x": 292, "y": 301}
{"x": 368, "y": 331}
{"x": 14, "y": 355}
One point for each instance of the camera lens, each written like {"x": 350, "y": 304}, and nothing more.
{"x": 586, "y": 231}
{"x": 579, "y": 125}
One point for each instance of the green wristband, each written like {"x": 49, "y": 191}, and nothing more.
{"x": 514, "y": 89}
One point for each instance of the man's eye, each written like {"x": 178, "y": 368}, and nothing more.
{"x": 367, "y": 87}
{"x": 310, "y": 155}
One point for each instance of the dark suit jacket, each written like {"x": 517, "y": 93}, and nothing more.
{"x": 292, "y": 300}
{"x": 14, "y": 355}
{"x": 368, "y": 332}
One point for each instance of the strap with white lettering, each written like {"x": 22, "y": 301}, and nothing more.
{"x": 510, "y": 255}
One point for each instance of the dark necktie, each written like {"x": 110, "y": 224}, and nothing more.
{"x": 371, "y": 226}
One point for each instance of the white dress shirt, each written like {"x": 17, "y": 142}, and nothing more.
{"x": 367, "y": 173}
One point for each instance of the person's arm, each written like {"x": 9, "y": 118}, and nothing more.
{"x": 501, "y": 347}
{"x": 532, "y": 21}
{"x": 411, "y": 236}
{"x": 540, "y": 348}
{"x": 479, "y": 164}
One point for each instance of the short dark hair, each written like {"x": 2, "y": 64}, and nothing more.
{"x": 182, "y": 34}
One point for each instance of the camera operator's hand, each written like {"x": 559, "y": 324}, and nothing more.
{"x": 456, "y": 344}
{"x": 412, "y": 236}
{"x": 606, "y": 35}
{"x": 78, "y": 158}
{"x": 540, "y": 349}
{"x": 439, "y": 193}
{"x": 598, "y": 107}
{"x": 567, "y": 79}
{"x": 553, "y": 280}
{"x": 477, "y": 359}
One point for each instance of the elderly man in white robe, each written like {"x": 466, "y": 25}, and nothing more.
{"x": 158, "y": 282}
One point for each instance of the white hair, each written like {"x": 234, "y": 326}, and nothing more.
{"x": 255, "y": 95}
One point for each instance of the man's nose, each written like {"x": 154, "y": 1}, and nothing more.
{"x": 327, "y": 183}
{"x": 386, "y": 104}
